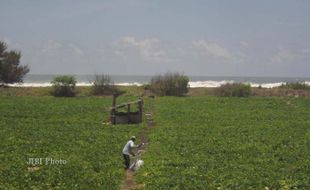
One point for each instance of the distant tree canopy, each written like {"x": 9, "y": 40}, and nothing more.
{"x": 10, "y": 70}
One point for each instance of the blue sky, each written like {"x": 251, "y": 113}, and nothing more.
{"x": 145, "y": 37}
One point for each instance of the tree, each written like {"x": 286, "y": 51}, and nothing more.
{"x": 10, "y": 70}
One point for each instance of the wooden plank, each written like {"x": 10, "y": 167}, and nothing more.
{"x": 125, "y": 104}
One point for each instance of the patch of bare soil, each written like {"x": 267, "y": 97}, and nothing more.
{"x": 129, "y": 182}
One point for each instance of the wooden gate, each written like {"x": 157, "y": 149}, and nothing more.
{"x": 129, "y": 117}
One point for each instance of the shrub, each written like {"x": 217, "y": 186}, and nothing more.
{"x": 234, "y": 89}
{"x": 170, "y": 84}
{"x": 64, "y": 86}
{"x": 103, "y": 85}
{"x": 146, "y": 86}
{"x": 296, "y": 86}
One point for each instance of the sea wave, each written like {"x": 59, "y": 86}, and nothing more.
{"x": 48, "y": 84}
{"x": 192, "y": 84}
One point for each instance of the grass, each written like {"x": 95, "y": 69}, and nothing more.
{"x": 199, "y": 143}
{"x": 81, "y": 91}
{"x": 62, "y": 128}
{"x": 85, "y": 91}
{"x": 229, "y": 143}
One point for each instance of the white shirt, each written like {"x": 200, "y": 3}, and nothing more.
{"x": 127, "y": 148}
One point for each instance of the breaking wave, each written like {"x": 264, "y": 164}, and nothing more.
{"x": 192, "y": 84}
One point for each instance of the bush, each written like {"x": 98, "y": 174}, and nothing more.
{"x": 103, "y": 85}
{"x": 64, "y": 86}
{"x": 296, "y": 86}
{"x": 146, "y": 86}
{"x": 234, "y": 89}
{"x": 170, "y": 84}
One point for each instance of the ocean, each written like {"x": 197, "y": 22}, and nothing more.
{"x": 32, "y": 80}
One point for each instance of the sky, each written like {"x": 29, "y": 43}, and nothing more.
{"x": 147, "y": 37}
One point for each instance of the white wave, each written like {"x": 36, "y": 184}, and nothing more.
{"x": 196, "y": 84}
{"x": 48, "y": 84}
{"x": 31, "y": 84}
{"x": 84, "y": 84}
{"x": 213, "y": 84}
{"x": 209, "y": 83}
{"x": 266, "y": 85}
{"x": 129, "y": 84}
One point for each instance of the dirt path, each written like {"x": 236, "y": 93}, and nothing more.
{"x": 129, "y": 182}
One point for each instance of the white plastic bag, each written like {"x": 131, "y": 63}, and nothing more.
{"x": 137, "y": 162}
{"x": 136, "y": 165}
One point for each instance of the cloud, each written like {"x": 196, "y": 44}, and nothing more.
{"x": 51, "y": 45}
{"x": 244, "y": 43}
{"x": 210, "y": 49}
{"x": 306, "y": 51}
{"x": 100, "y": 50}
{"x": 144, "y": 43}
{"x": 284, "y": 56}
{"x": 215, "y": 52}
{"x": 149, "y": 49}
{"x": 288, "y": 56}
{"x": 76, "y": 49}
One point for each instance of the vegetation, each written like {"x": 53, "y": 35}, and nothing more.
{"x": 83, "y": 91}
{"x": 71, "y": 129}
{"x": 169, "y": 84}
{"x": 10, "y": 70}
{"x": 234, "y": 89}
{"x": 198, "y": 143}
{"x": 296, "y": 86}
{"x": 228, "y": 143}
{"x": 103, "y": 85}
{"x": 64, "y": 86}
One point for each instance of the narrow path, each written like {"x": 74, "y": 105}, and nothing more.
{"x": 129, "y": 182}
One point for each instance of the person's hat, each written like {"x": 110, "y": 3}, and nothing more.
{"x": 133, "y": 138}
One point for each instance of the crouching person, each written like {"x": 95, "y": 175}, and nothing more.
{"x": 127, "y": 151}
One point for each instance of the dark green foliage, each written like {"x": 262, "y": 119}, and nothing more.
{"x": 296, "y": 86}
{"x": 169, "y": 84}
{"x": 103, "y": 85}
{"x": 62, "y": 128}
{"x": 146, "y": 87}
{"x": 64, "y": 86}
{"x": 234, "y": 89}
{"x": 10, "y": 70}
{"x": 228, "y": 143}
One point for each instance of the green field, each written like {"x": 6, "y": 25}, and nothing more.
{"x": 198, "y": 143}
{"x": 61, "y": 128}
{"x": 229, "y": 143}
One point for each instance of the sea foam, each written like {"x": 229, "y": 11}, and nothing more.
{"x": 192, "y": 84}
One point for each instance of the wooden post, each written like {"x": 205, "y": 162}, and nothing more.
{"x": 112, "y": 116}
{"x": 128, "y": 112}
{"x": 114, "y": 100}
{"x": 140, "y": 109}
{"x": 113, "y": 110}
